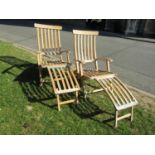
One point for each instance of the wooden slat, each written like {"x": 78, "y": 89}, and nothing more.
{"x": 66, "y": 79}
{"x": 121, "y": 92}
{"x": 85, "y": 50}
{"x": 75, "y": 80}
{"x": 71, "y": 80}
{"x": 49, "y": 39}
{"x": 124, "y": 93}
{"x": 46, "y": 40}
{"x": 112, "y": 91}
{"x": 64, "y": 85}
{"x": 91, "y": 47}
{"x": 42, "y": 39}
{"x": 38, "y": 37}
{"x": 53, "y": 41}
{"x": 78, "y": 47}
{"x": 126, "y": 89}
{"x": 88, "y": 48}
{"x": 108, "y": 92}
{"x": 56, "y": 79}
{"x": 95, "y": 55}
{"x": 56, "y": 39}
{"x": 81, "y": 47}
{"x": 52, "y": 80}
{"x": 117, "y": 92}
{"x": 59, "y": 42}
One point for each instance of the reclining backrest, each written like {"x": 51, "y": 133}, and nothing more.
{"x": 48, "y": 38}
{"x": 84, "y": 47}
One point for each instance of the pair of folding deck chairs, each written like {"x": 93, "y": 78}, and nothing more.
{"x": 65, "y": 79}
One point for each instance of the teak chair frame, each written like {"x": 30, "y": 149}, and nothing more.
{"x": 50, "y": 57}
{"x": 85, "y": 52}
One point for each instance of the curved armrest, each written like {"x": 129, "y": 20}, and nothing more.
{"x": 39, "y": 57}
{"x": 81, "y": 62}
{"x": 65, "y": 51}
{"x": 39, "y": 52}
{"x": 104, "y": 59}
{"x": 107, "y": 60}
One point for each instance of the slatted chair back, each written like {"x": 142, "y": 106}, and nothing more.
{"x": 85, "y": 47}
{"x": 48, "y": 38}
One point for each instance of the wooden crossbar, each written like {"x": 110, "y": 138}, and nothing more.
{"x": 47, "y": 26}
{"x": 81, "y": 32}
{"x": 124, "y": 116}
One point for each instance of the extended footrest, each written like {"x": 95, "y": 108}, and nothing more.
{"x": 119, "y": 94}
{"x": 63, "y": 81}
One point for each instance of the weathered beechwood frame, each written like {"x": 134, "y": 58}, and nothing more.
{"x": 50, "y": 57}
{"x": 85, "y": 53}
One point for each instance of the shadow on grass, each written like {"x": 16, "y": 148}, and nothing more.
{"x": 86, "y": 109}
{"x": 27, "y": 77}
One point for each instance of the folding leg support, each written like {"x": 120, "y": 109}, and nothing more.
{"x": 40, "y": 75}
{"x": 59, "y": 102}
{"x": 118, "y": 118}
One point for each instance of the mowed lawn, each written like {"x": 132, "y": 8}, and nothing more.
{"x": 27, "y": 108}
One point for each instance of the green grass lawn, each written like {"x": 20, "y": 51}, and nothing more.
{"x": 26, "y": 108}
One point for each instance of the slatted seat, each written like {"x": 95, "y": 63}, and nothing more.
{"x": 85, "y": 53}
{"x": 51, "y": 57}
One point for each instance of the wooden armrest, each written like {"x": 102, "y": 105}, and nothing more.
{"x": 64, "y": 51}
{"x": 105, "y": 59}
{"x": 41, "y": 53}
{"x": 79, "y": 61}
{"x": 67, "y": 51}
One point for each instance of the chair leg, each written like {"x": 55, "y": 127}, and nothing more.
{"x": 85, "y": 92}
{"x": 58, "y": 102}
{"x": 131, "y": 114}
{"x": 116, "y": 116}
{"x": 77, "y": 99}
{"x": 84, "y": 89}
{"x": 40, "y": 75}
{"x": 82, "y": 85}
